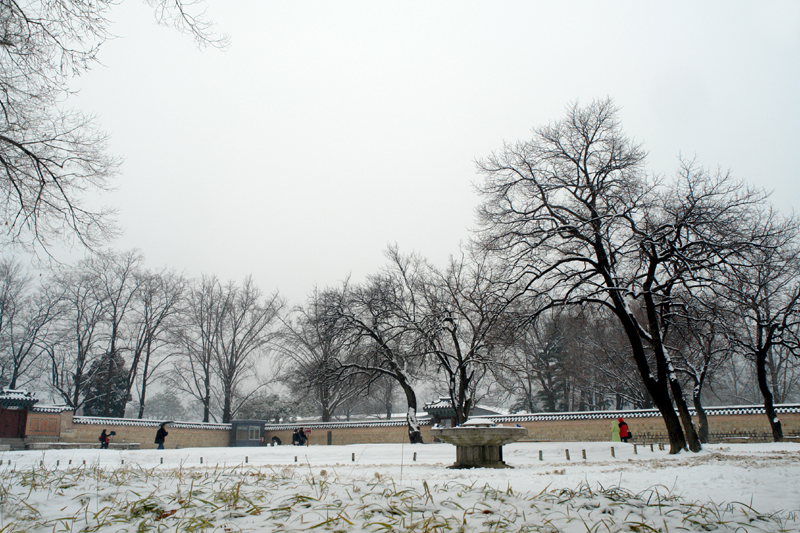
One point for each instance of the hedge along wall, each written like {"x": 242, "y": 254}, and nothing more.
{"x": 87, "y": 429}
{"x": 647, "y": 426}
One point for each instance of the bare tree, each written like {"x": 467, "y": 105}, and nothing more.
{"x": 51, "y": 157}
{"x": 462, "y": 322}
{"x": 763, "y": 286}
{"x": 119, "y": 283}
{"x": 228, "y": 329}
{"x": 159, "y": 301}
{"x": 194, "y": 373}
{"x": 246, "y": 330}
{"x": 25, "y": 321}
{"x": 573, "y": 212}
{"x": 14, "y": 283}
{"x": 376, "y": 317}
{"x": 73, "y": 349}
{"x": 315, "y": 347}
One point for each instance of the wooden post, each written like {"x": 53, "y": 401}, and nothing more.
{"x": 635, "y": 451}
{"x": 246, "y": 459}
{"x": 540, "y": 455}
{"x": 354, "y": 458}
{"x": 201, "y": 460}
{"x": 583, "y": 453}
{"x": 613, "y": 453}
{"x": 567, "y": 454}
{"x": 415, "y": 456}
{"x": 651, "y": 447}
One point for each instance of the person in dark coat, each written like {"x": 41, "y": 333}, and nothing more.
{"x": 104, "y": 440}
{"x": 624, "y": 433}
{"x": 161, "y": 435}
{"x": 298, "y": 437}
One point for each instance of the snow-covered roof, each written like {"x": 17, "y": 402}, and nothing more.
{"x": 443, "y": 402}
{"x": 344, "y": 425}
{"x": 444, "y": 407}
{"x": 17, "y": 398}
{"x": 135, "y": 422}
{"x": 51, "y": 408}
{"x": 640, "y": 413}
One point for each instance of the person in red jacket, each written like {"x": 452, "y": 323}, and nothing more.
{"x": 624, "y": 433}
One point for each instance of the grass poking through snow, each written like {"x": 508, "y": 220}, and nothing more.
{"x": 233, "y": 499}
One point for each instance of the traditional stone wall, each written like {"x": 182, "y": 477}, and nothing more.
{"x": 86, "y": 429}
{"x": 45, "y": 426}
{"x": 342, "y": 433}
{"x": 741, "y": 423}
{"x": 647, "y": 426}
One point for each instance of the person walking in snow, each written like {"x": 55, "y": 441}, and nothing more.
{"x": 103, "y": 440}
{"x": 299, "y": 437}
{"x": 624, "y": 433}
{"x": 161, "y": 435}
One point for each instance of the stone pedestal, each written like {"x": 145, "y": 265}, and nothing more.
{"x": 478, "y": 444}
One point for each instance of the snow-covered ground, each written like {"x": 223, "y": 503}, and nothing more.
{"x": 744, "y": 487}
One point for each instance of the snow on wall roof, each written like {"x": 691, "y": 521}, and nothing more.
{"x": 17, "y": 398}
{"x": 135, "y": 422}
{"x": 50, "y": 408}
{"x": 344, "y": 425}
{"x": 641, "y": 413}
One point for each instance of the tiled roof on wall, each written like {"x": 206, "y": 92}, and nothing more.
{"x": 344, "y": 425}
{"x": 50, "y": 408}
{"x": 641, "y": 413}
{"x": 17, "y": 398}
{"x": 135, "y": 422}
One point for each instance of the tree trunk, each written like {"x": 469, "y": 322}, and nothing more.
{"x": 414, "y": 433}
{"x": 769, "y": 406}
{"x": 226, "y": 408}
{"x": 702, "y": 418}
{"x": 657, "y": 388}
{"x": 207, "y": 404}
{"x": 660, "y": 388}
{"x": 143, "y": 392}
{"x": 686, "y": 418}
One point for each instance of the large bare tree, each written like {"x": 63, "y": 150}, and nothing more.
{"x": 246, "y": 328}
{"x": 314, "y": 348}
{"x": 27, "y": 316}
{"x": 159, "y": 301}
{"x": 763, "y": 286}
{"x": 73, "y": 349}
{"x": 227, "y": 330}
{"x": 52, "y": 158}
{"x": 194, "y": 372}
{"x": 573, "y": 211}
{"x": 376, "y": 317}
{"x": 462, "y": 322}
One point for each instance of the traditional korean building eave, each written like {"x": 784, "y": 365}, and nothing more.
{"x": 17, "y": 399}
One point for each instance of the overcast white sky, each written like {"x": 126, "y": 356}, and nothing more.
{"x": 328, "y": 130}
